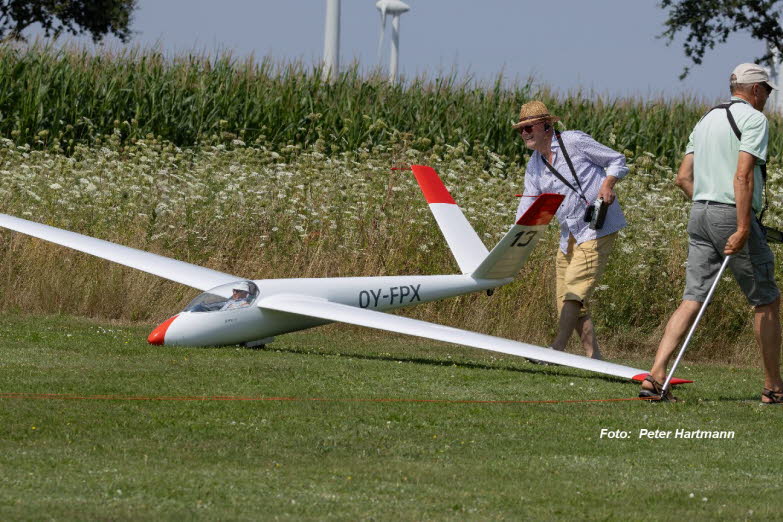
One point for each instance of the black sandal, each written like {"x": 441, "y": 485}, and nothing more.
{"x": 657, "y": 389}
{"x": 773, "y": 396}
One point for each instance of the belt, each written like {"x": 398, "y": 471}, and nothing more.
{"x": 715, "y": 203}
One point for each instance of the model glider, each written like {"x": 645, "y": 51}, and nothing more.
{"x": 236, "y": 310}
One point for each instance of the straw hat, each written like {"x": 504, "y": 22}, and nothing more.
{"x": 534, "y": 112}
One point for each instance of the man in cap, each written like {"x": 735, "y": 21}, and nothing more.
{"x": 575, "y": 165}
{"x": 240, "y": 294}
{"x": 723, "y": 174}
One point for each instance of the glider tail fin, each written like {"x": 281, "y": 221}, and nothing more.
{"x": 513, "y": 250}
{"x": 467, "y": 247}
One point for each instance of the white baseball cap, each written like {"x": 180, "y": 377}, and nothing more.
{"x": 751, "y": 73}
{"x": 242, "y": 287}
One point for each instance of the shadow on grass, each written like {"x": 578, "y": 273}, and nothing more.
{"x": 750, "y": 399}
{"x": 534, "y": 370}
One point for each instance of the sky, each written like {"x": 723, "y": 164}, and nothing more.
{"x": 606, "y": 47}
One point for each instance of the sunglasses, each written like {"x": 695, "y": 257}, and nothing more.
{"x": 527, "y": 129}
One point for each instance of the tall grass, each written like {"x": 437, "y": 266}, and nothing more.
{"x": 256, "y": 212}
{"x": 70, "y": 95}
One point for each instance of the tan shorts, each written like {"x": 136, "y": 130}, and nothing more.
{"x": 578, "y": 270}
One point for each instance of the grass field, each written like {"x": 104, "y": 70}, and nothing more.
{"x": 395, "y": 432}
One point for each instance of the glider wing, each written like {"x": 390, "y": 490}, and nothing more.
{"x": 191, "y": 275}
{"x": 323, "y": 309}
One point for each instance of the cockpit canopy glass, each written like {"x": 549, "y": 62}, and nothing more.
{"x": 232, "y": 296}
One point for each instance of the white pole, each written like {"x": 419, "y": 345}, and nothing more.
{"x": 331, "y": 65}
{"x": 395, "y": 49}
{"x": 693, "y": 327}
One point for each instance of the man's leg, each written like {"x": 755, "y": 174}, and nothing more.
{"x": 580, "y": 276}
{"x": 676, "y": 328}
{"x": 704, "y": 260}
{"x": 756, "y": 277}
{"x": 586, "y": 332}
{"x": 568, "y": 311}
{"x": 766, "y": 323}
{"x": 569, "y": 316}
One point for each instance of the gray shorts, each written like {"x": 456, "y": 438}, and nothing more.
{"x": 709, "y": 227}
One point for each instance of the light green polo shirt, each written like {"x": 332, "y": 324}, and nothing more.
{"x": 715, "y": 150}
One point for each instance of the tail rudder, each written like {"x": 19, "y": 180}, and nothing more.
{"x": 465, "y": 245}
{"x": 511, "y": 252}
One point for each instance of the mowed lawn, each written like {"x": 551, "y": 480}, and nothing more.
{"x": 359, "y": 425}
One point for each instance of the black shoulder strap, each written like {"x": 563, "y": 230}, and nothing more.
{"x": 764, "y": 208}
{"x": 731, "y": 119}
{"x": 732, "y": 122}
{"x": 559, "y": 176}
{"x": 568, "y": 159}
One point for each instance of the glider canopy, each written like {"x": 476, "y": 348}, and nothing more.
{"x": 225, "y": 297}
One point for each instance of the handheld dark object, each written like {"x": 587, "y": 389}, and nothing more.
{"x": 595, "y": 214}
{"x": 773, "y": 235}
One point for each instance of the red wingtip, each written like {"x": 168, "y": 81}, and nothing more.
{"x": 158, "y": 335}
{"x": 674, "y": 380}
{"x": 542, "y": 210}
{"x": 433, "y": 188}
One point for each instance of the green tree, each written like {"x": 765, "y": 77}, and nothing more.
{"x": 709, "y": 22}
{"x": 77, "y": 17}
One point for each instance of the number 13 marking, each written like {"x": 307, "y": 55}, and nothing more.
{"x": 528, "y": 236}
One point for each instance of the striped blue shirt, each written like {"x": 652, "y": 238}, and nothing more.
{"x": 592, "y": 162}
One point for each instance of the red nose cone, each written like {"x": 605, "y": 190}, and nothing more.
{"x": 159, "y": 334}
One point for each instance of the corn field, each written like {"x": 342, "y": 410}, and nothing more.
{"x": 64, "y": 96}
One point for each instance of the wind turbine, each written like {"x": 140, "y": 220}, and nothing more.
{"x": 394, "y": 8}
{"x": 331, "y": 66}
{"x": 775, "y": 98}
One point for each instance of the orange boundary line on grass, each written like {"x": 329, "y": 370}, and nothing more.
{"x": 297, "y": 399}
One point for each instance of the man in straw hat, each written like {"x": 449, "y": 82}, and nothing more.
{"x": 723, "y": 173}
{"x": 584, "y": 171}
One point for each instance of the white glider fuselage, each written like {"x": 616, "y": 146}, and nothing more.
{"x": 252, "y": 323}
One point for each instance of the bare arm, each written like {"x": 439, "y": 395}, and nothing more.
{"x": 684, "y": 178}
{"x": 743, "y": 197}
